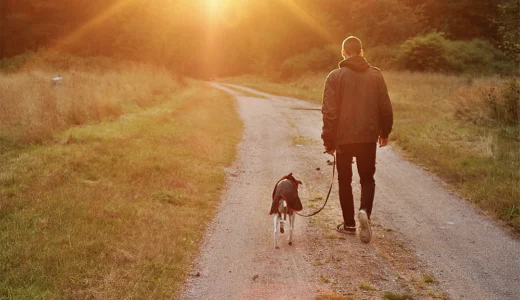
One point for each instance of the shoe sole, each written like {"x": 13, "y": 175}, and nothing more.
{"x": 365, "y": 232}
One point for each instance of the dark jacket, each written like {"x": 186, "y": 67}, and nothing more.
{"x": 356, "y": 107}
{"x": 286, "y": 188}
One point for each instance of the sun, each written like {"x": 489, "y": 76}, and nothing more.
{"x": 214, "y": 7}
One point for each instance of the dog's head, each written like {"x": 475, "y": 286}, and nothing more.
{"x": 291, "y": 178}
{"x": 295, "y": 181}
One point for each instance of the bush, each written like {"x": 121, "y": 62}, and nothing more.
{"x": 424, "y": 53}
{"x": 433, "y": 52}
{"x": 382, "y": 56}
{"x": 475, "y": 56}
{"x": 317, "y": 60}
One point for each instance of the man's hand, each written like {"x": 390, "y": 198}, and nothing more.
{"x": 329, "y": 147}
{"x": 330, "y": 151}
{"x": 383, "y": 142}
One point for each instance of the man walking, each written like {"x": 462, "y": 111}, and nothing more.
{"x": 357, "y": 114}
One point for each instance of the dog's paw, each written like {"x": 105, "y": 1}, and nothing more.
{"x": 290, "y": 243}
{"x": 281, "y": 230}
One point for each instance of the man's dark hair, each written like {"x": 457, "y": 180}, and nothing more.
{"x": 352, "y": 46}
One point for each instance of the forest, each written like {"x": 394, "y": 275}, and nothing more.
{"x": 203, "y": 38}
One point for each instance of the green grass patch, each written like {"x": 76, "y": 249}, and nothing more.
{"x": 396, "y": 296}
{"x": 437, "y": 124}
{"x": 427, "y": 278}
{"x": 115, "y": 209}
{"x": 318, "y": 262}
{"x": 303, "y": 141}
{"x": 316, "y": 197}
{"x": 331, "y": 297}
{"x": 325, "y": 279}
{"x": 333, "y": 236}
{"x": 367, "y": 287}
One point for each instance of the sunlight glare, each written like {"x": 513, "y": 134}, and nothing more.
{"x": 309, "y": 20}
{"x": 214, "y": 7}
{"x": 78, "y": 33}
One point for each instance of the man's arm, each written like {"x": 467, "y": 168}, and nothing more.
{"x": 386, "y": 115}
{"x": 330, "y": 113}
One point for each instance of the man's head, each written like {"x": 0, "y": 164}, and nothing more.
{"x": 352, "y": 46}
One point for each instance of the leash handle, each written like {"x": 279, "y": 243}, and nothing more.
{"x": 328, "y": 194}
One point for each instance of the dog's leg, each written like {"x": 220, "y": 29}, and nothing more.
{"x": 292, "y": 216}
{"x": 276, "y": 231}
{"x": 282, "y": 210}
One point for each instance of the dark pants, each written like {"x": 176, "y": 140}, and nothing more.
{"x": 365, "y": 154}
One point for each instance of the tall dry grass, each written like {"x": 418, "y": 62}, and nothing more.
{"x": 490, "y": 100}
{"x": 33, "y": 108}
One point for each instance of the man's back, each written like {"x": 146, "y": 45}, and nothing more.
{"x": 356, "y": 106}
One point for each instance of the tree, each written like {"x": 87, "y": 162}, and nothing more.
{"x": 462, "y": 19}
{"x": 508, "y": 27}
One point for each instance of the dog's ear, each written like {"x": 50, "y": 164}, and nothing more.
{"x": 291, "y": 177}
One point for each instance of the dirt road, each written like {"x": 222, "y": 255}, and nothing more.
{"x": 427, "y": 243}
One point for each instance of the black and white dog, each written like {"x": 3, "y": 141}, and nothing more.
{"x": 285, "y": 202}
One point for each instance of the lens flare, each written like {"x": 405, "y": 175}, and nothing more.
{"x": 311, "y": 23}
{"x": 100, "y": 18}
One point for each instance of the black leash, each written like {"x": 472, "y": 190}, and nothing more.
{"x": 328, "y": 194}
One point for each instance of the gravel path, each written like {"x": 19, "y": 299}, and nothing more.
{"x": 472, "y": 256}
{"x": 469, "y": 255}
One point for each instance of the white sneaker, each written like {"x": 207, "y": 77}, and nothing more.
{"x": 365, "y": 232}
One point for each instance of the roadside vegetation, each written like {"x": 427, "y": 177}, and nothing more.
{"x": 33, "y": 107}
{"x": 108, "y": 185}
{"x": 431, "y": 52}
{"x": 396, "y": 296}
{"x": 464, "y": 128}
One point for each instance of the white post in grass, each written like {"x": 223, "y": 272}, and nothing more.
{"x": 57, "y": 80}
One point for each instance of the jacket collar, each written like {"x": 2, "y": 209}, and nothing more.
{"x": 355, "y": 63}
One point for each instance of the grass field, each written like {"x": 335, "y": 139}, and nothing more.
{"x": 442, "y": 122}
{"x": 33, "y": 108}
{"x": 114, "y": 208}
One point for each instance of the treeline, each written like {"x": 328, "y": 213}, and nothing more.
{"x": 229, "y": 37}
